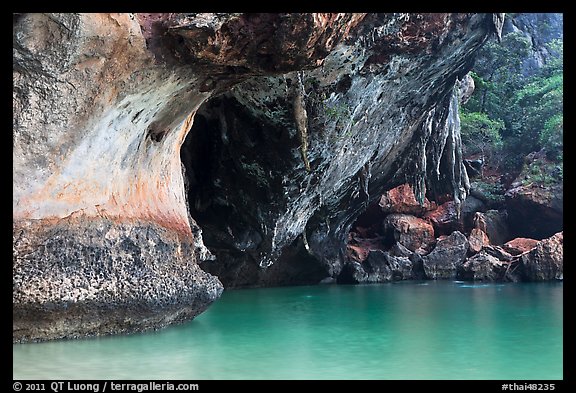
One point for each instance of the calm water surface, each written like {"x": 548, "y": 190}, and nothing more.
{"x": 410, "y": 330}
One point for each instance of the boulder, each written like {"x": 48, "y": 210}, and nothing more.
{"x": 416, "y": 234}
{"x": 535, "y": 200}
{"x": 401, "y": 199}
{"x": 444, "y": 219}
{"x": 545, "y": 261}
{"x": 477, "y": 239}
{"x": 482, "y": 267}
{"x": 378, "y": 267}
{"x": 520, "y": 245}
{"x": 352, "y": 273}
{"x": 493, "y": 223}
{"x": 443, "y": 261}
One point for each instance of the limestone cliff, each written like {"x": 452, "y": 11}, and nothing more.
{"x": 295, "y": 122}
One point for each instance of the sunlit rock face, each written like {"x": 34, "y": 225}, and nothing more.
{"x": 295, "y": 121}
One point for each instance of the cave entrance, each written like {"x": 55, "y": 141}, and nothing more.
{"x": 234, "y": 167}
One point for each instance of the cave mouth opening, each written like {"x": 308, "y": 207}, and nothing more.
{"x": 234, "y": 164}
{"x": 367, "y": 233}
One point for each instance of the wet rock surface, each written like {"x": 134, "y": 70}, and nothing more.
{"x": 85, "y": 276}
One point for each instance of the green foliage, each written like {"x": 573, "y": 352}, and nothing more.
{"x": 480, "y": 134}
{"x": 539, "y": 118}
{"x": 543, "y": 173}
{"x": 497, "y": 74}
{"x": 525, "y": 111}
{"x": 553, "y": 137}
{"x": 493, "y": 192}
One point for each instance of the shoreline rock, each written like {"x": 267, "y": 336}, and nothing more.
{"x": 84, "y": 276}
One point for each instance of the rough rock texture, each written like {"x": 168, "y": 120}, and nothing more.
{"x": 301, "y": 155}
{"x": 83, "y": 277}
{"x": 380, "y": 266}
{"x": 290, "y": 125}
{"x": 534, "y": 211}
{"x": 482, "y": 267}
{"x": 540, "y": 29}
{"x": 447, "y": 256}
{"x": 517, "y": 260}
{"x": 494, "y": 224}
{"x": 519, "y": 245}
{"x": 444, "y": 219}
{"x": 359, "y": 248}
{"x": 545, "y": 261}
{"x": 401, "y": 199}
{"x": 416, "y": 234}
{"x": 477, "y": 240}
{"x": 102, "y": 104}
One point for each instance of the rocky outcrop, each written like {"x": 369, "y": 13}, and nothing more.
{"x": 302, "y": 155}
{"x": 545, "y": 261}
{"x": 85, "y": 276}
{"x": 540, "y": 29}
{"x": 535, "y": 200}
{"x": 287, "y": 125}
{"x": 416, "y": 234}
{"x": 517, "y": 260}
{"x": 102, "y": 105}
{"x": 447, "y": 256}
{"x": 494, "y": 224}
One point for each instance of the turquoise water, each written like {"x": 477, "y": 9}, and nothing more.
{"x": 410, "y": 330}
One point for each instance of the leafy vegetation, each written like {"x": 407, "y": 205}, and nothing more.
{"x": 543, "y": 173}
{"x": 480, "y": 134}
{"x": 493, "y": 192}
{"x": 514, "y": 112}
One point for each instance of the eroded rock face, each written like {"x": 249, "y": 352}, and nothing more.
{"x": 412, "y": 232}
{"x": 447, "y": 256}
{"x": 102, "y": 104}
{"x": 83, "y": 277}
{"x": 545, "y": 261}
{"x": 535, "y": 201}
{"x": 301, "y": 155}
{"x": 315, "y": 116}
